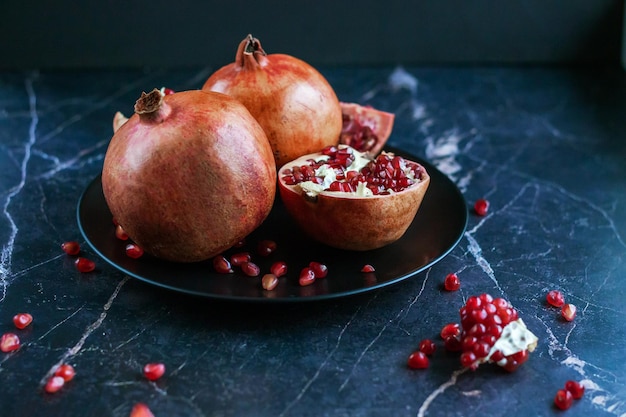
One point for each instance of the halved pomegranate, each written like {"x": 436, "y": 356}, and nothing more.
{"x": 345, "y": 199}
{"x": 365, "y": 128}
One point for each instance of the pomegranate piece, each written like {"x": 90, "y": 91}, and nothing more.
{"x": 365, "y": 128}
{"x": 222, "y": 265}
{"x": 266, "y": 247}
{"x": 368, "y": 268}
{"x": 418, "y": 360}
{"x": 65, "y": 371}
{"x": 575, "y": 388}
{"x": 134, "y": 251}
{"x": 319, "y": 269}
{"x": 9, "y": 342}
{"x": 555, "y": 298}
{"x": 452, "y": 282}
{"x": 492, "y": 332}
{"x": 71, "y": 248}
{"x": 307, "y": 277}
{"x": 54, "y": 384}
{"x": 563, "y": 399}
{"x": 269, "y": 282}
{"x": 568, "y": 312}
{"x": 250, "y": 269}
{"x": 427, "y": 346}
{"x": 279, "y": 268}
{"x": 22, "y": 320}
{"x": 84, "y": 264}
{"x": 153, "y": 371}
{"x": 141, "y": 410}
{"x": 481, "y": 207}
{"x": 322, "y": 191}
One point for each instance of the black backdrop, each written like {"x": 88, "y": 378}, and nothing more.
{"x": 114, "y": 33}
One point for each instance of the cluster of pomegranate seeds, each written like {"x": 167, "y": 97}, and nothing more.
{"x": 22, "y": 320}
{"x": 141, "y": 410}
{"x": 84, "y": 264}
{"x": 481, "y": 207}
{"x": 452, "y": 282}
{"x": 72, "y": 248}
{"x": 9, "y": 342}
{"x": 383, "y": 175}
{"x": 153, "y": 371}
{"x": 368, "y": 268}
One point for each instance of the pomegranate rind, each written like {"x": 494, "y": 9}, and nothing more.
{"x": 208, "y": 182}
{"x": 379, "y": 122}
{"x": 348, "y": 221}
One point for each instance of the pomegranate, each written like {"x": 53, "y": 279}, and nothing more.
{"x": 365, "y": 128}
{"x": 345, "y": 199}
{"x": 292, "y": 101}
{"x": 189, "y": 175}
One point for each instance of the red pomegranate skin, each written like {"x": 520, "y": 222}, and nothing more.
{"x": 291, "y": 100}
{"x": 192, "y": 183}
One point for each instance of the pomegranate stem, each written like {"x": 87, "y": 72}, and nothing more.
{"x": 250, "y": 54}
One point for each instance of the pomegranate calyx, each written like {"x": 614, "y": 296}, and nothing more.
{"x": 151, "y": 108}
{"x": 118, "y": 120}
{"x": 250, "y": 54}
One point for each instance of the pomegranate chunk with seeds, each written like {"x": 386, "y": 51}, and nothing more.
{"x": 418, "y": 360}
{"x": 71, "y": 248}
{"x": 555, "y": 298}
{"x": 22, "y": 320}
{"x": 9, "y": 342}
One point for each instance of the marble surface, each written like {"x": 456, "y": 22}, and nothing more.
{"x": 546, "y": 147}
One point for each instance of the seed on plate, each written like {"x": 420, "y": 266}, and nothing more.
{"x": 22, "y": 320}
{"x": 367, "y": 268}
{"x": 269, "y": 282}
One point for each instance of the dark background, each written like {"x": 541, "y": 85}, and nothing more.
{"x": 71, "y": 34}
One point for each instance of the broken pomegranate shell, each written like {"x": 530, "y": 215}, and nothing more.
{"x": 345, "y": 199}
{"x": 365, "y": 128}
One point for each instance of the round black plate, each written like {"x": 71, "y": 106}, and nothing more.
{"x": 435, "y": 231}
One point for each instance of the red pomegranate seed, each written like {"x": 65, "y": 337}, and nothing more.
{"x": 555, "y": 298}
{"x": 71, "y": 248}
{"x": 367, "y": 268}
{"x": 238, "y": 259}
{"x": 133, "y": 251}
{"x": 120, "y": 233}
{"x": 269, "y": 282}
{"x": 153, "y": 371}
{"x": 250, "y": 269}
{"x": 141, "y": 410}
{"x": 84, "y": 264}
{"x": 9, "y": 342}
{"x": 452, "y": 344}
{"x": 515, "y": 360}
{"x": 481, "y": 207}
{"x": 266, "y": 247}
{"x": 222, "y": 265}
{"x": 168, "y": 91}
{"x": 65, "y": 371}
{"x": 54, "y": 384}
{"x": 468, "y": 359}
{"x": 418, "y": 360}
{"x": 450, "y": 329}
{"x": 563, "y": 399}
{"x": 575, "y": 388}
{"x": 22, "y": 320}
{"x": 307, "y": 277}
{"x": 427, "y": 346}
{"x": 568, "y": 312}
{"x": 319, "y": 269}
{"x": 452, "y": 282}
{"x": 278, "y": 268}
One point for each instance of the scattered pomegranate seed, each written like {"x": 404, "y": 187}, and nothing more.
{"x": 481, "y": 207}
{"x": 153, "y": 371}
{"x": 9, "y": 342}
{"x": 307, "y": 277}
{"x": 141, "y": 410}
{"x": 278, "y": 268}
{"x": 418, "y": 360}
{"x": 563, "y": 399}
{"x": 71, "y": 248}
{"x": 319, "y": 269}
{"x": 269, "y": 282}
{"x": 238, "y": 259}
{"x": 266, "y": 247}
{"x": 452, "y": 282}
{"x": 133, "y": 251}
{"x": 65, "y": 371}
{"x": 427, "y": 346}
{"x": 22, "y": 320}
{"x": 54, "y": 384}
{"x": 555, "y": 298}
{"x": 84, "y": 264}
{"x": 452, "y": 344}
{"x": 368, "y": 268}
{"x": 568, "y": 312}
{"x": 120, "y": 233}
{"x": 250, "y": 269}
{"x": 168, "y": 91}
{"x": 450, "y": 330}
{"x": 575, "y": 388}
{"x": 222, "y": 265}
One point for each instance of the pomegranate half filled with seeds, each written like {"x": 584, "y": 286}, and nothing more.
{"x": 189, "y": 174}
{"x": 345, "y": 199}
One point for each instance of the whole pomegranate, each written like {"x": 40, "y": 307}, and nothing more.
{"x": 345, "y": 199}
{"x": 291, "y": 100}
{"x": 189, "y": 174}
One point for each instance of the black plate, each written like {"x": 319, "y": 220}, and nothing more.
{"x": 435, "y": 231}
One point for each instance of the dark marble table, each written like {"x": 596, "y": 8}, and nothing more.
{"x": 546, "y": 147}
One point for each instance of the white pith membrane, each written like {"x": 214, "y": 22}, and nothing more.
{"x": 515, "y": 338}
